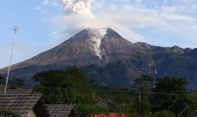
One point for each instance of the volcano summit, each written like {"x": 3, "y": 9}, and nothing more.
{"x": 111, "y": 60}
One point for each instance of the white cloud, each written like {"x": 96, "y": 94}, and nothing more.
{"x": 163, "y": 22}
{"x": 173, "y": 17}
{"x": 40, "y": 9}
{"x": 51, "y": 2}
{"x": 81, "y": 7}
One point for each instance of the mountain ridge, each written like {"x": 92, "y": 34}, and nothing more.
{"x": 110, "y": 59}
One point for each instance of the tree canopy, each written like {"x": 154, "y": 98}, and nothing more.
{"x": 2, "y": 80}
{"x": 170, "y": 93}
{"x": 68, "y": 86}
{"x": 169, "y": 98}
{"x": 8, "y": 113}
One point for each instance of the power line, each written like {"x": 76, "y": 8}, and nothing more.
{"x": 118, "y": 91}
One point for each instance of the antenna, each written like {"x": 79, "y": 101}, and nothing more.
{"x": 15, "y": 29}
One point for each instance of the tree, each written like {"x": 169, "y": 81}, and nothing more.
{"x": 143, "y": 83}
{"x": 68, "y": 86}
{"x": 170, "y": 94}
{"x": 163, "y": 113}
{"x": 2, "y": 80}
{"x": 8, "y": 113}
{"x": 141, "y": 102}
{"x": 85, "y": 109}
{"x": 194, "y": 102}
{"x": 16, "y": 83}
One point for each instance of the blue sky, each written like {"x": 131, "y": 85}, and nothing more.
{"x": 43, "y": 24}
{"x": 34, "y": 32}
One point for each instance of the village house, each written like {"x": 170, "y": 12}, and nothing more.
{"x": 61, "y": 110}
{"x": 30, "y": 105}
{"x": 107, "y": 115}
{"x": 33, "y": 105}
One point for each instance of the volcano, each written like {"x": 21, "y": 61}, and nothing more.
{"x": 111, "y": 60}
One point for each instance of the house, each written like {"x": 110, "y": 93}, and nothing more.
{"x": 33, "y": 105}
{"x": 30, "y": 105}
{"x": 61, "y": 110}
{"x": 107, "y": 115}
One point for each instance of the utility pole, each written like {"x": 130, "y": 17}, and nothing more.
{"x": 15, "y": 29}
{"x": 139, "y": 106}
{"x": 153, "y": 68}
{"x": 179, "y": 115}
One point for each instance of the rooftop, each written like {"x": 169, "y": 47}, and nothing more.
{"x": 20, "y": 104}
{"x": 60, "y": 110}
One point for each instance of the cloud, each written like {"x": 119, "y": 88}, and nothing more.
{"x": 51, "y": 2}
{"x": 81, "y": 7}
{"x": 74, "y": 23}
{"x": 159, "y": 22}
{"x": 165, "y": 17}
{"x": 40, "y": 9}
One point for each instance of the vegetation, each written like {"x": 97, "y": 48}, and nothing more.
{"x": 84, "y": 109}
{"x": 169, "y": 98}
{"x": 8, "y": 113}
{"x": 13, "y": 83}
{"x": 171, "y": 94}
{"x": 70, "y": 86}
{"x": 2, "y": 80}
{"x": 16, "y": 83}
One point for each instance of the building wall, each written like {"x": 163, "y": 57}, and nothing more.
{"x": 31, "y": 114}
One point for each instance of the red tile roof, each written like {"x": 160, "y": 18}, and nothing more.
{"x": 107, "y": 115}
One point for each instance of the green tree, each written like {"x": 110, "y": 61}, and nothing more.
{"x": 85, "y": 109}
{"x": 163, "y": 113}
{"x": 170, "y": 94}
{"x": 16, "y": 83}
{"x": 194, "y": 102}
{"x": 68, "y": 86}
{"x": 141, "y": 103}
{"x": 2, "y": 80}
{"x": 144, "y": 83}
{"x": 8, "y": 113}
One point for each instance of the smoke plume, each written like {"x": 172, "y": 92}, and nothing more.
{"x": 80, "y": 7}
{"x": 78, "y": 15}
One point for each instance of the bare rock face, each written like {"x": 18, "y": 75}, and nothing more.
{"x": 111, "y": 60}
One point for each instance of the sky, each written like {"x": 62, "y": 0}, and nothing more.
{"x": 44, "y": 24}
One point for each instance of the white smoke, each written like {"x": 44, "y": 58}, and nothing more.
{"x": 80, "y": 7}
{"x": 79, "y": 15}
